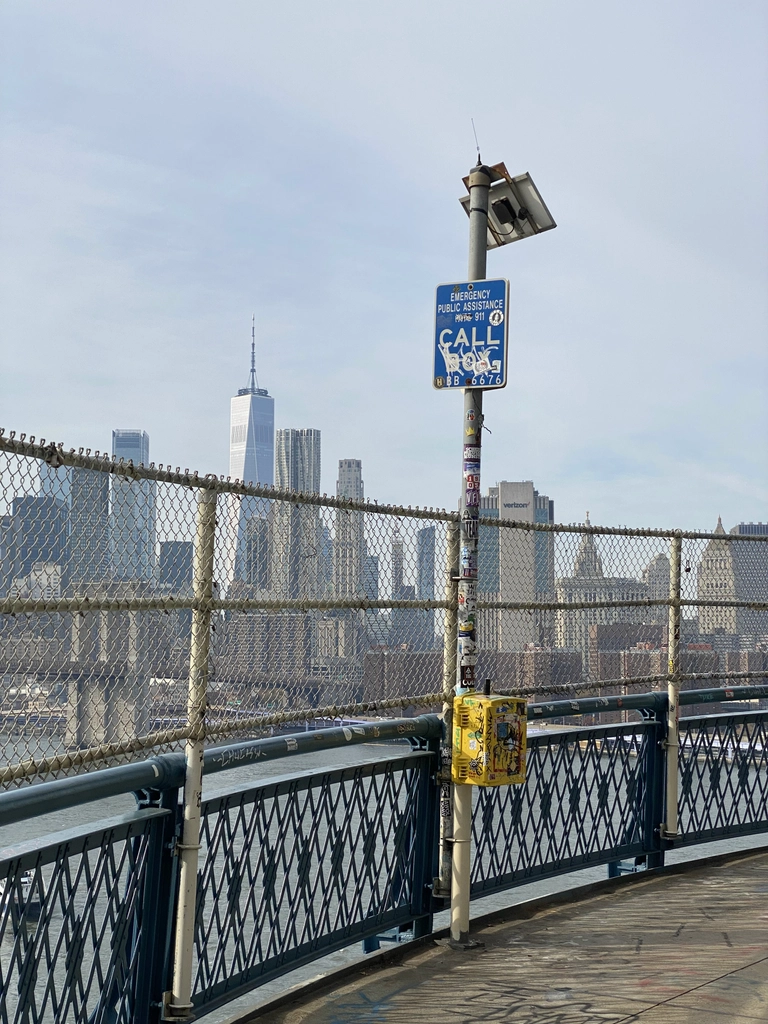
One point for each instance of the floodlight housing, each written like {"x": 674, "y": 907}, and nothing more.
{"x": 515, "y": 207}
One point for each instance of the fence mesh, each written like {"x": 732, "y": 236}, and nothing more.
{"x": 319, "y": 606}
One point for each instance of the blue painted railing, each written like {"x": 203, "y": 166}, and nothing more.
{"x": 296, "y": 866}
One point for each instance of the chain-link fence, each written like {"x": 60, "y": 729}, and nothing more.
{"x": 140, "y": 606}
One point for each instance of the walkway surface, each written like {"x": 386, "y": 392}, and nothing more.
{"x": 667, "y": 948}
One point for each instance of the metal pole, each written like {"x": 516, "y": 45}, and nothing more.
{"x": 472, "y": 425}
{"x": 669, "y": 830}
{"x": 442, "y": 885}
{"x": 177, "y": 1004}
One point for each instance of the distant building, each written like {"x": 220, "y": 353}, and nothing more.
{"x": 42, "y": 584}
{"x": 35, "y": 532}
{"x": 413, "y": 628}
{"x": 132, "y": 512}
{"x": 734, "y": 571}
{"x": 350, "y": 481}
{"x": 589, "y": 583}
{"x": 175, "y": 566}
{"x": 349, "y": 548}
{"x": 252, "y": 460}
{"x": 656, "y": 579}
{"x": 89, "y": 554}
{"x": 515, "y": 566}
{"x": 299, "y": 547}
{"x": 297, "y": 460}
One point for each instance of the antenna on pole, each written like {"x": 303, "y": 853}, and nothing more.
{"x": 477, "y": 144}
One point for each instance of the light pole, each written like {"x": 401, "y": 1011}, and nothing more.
{"x": 501, "y": 210}
{"x": 466, "y": 656}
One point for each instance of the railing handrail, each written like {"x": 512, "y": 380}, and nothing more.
{"x": 654, "y": 701}
{"x": 166, "y": 771}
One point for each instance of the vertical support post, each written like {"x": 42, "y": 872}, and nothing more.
{"x": 442, "y": 884}
{"x": 472, "y": 425}
{"x": 157, "y": 910}
{"x": 653, "y": 789}
{"x": 673, "y": 687}
{"x": 427, "y": 846}
{"x": 177, "y": 1004}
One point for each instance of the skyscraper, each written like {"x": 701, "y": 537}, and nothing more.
{"x": 297, "y": 460}
{"x": 349, "y": 545}
{"x": 515, "y": 565}
{"x": 350, "y": 481}
{"x": 252, "y": 460}
{"x": 89, "y": 527}
{"x": 298, "y": 538}
{"x": 252, "y": 430}
{"x": 132, "y": 512}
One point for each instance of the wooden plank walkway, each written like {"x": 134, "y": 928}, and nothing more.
{"x": 679, "y": 947}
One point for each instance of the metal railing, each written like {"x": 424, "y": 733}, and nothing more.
{"x": 296, "y": 866}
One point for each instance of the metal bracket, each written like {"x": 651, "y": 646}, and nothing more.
{"x": 176, "y": 1011}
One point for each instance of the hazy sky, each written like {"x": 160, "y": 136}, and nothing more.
{"x": 168, "y": 168}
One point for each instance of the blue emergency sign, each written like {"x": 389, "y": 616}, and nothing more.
{"x": 471, "y": 335}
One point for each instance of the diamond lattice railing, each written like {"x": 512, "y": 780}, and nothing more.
{"x": 723, "y": 775}
{"x": 582, "y": 803}
{"x": 71, "y": 925}
{"x": 307, "y": 864}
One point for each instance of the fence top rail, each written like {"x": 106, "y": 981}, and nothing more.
{"x": 618, "y": 531}
{"x": 56, "y": 455}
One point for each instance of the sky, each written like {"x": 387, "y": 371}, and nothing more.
{"x": 169, "y": 169}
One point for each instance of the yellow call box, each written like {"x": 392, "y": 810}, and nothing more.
{"x": 489, "y": 739}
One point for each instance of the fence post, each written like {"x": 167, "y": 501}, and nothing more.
{"x": 442, "y": 883}
{"x": 669, "y": 831}
{"x": 426, "y": 845}
{"x": 157, "y": 905}
{"x": 653, "y": 811}
{"x": 177, "y": 1003}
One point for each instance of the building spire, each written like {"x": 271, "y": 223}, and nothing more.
{"x": 253, "y": 381}
{"x": 254, "y": 378}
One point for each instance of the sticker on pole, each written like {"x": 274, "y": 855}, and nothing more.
{"x": 471, "y": 335}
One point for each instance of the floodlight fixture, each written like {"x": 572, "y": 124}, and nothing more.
{"x": 515, "y": 207}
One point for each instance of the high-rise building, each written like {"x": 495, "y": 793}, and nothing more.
{"x": 88, "y": 527}
{"x": 297, "y": 460}
{"x": 350, "y": 481}
{"x": 132, "y": 511}
{"x": 349, "y": 549}
{"x": 300, "y": 548}
{"x": 515, "y": 566}
{"x": 252, "y": 431}
{"x": 252, "y": 460}
{"x": 35, "y": 534}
